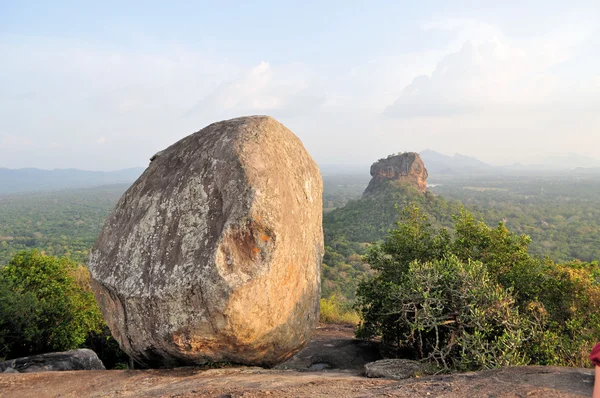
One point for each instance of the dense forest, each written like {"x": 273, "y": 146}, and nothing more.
{"x": 349, "y": 231}
{"x": 560, "y": 213}
{"x": 64, "y": 223}
{"x": 549, "y": 222}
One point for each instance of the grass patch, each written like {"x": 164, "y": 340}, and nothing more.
{"x": 335, "y": 311}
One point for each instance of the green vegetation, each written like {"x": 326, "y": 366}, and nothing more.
{"x": 56, "y": 305}
{"x": 561, "y": 214}
{"x": 348, "y": 232}
{"x": 475, "y": 298}
{"x": 64, "y": 223}
{"x": 46, "y": 305}
{"x": 334, "y": 310}
{"x": 340, "y": 189}
{"x": 542, "y": 290}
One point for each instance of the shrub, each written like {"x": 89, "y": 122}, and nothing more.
{"x": 18, "y": 317}
{"x": 570, "y": 296}
{"x": 333, "y": 310}
{"x": 476, "y": 299}
{"x": 45, "y": 305}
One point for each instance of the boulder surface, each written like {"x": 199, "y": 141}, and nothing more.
{"x": 214, "y": 253}
{"x": 401, "y": 169}
{"x": 82, "y": 359}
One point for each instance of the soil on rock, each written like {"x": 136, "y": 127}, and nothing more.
{"x": 535, "y": 381}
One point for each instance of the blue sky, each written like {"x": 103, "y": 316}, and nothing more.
{"x": 105, "y": 85}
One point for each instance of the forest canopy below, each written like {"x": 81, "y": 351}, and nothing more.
{"x": 554, "y": 223}
{"x": 560, "y": 213}
{"x": 64, "y": 223}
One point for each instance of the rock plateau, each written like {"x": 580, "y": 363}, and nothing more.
{"x": 214, "y": 253}
{"x": 403, "y": 169}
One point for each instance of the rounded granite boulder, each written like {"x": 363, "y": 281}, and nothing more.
{"x": 214, "y": 253}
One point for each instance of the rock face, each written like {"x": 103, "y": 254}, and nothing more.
{"x": 82, "y": 359}
{"x": 402, "y": 169}
{"x": 214, "y": 253}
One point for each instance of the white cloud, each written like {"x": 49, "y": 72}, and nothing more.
{"x": 488, "y": 70}
{"x": 461, "y": 30}
{"x": 262, "y": 89}
{"x": 462, "y": 85}
{"x": 250, "y": 91}
{"x": 83, "y": 96}
{"x": 14, "y": 143}
{"x": 79, "y": 93}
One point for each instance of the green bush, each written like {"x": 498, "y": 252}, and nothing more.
{"x": 337, "y": 310}
{"x": 475, "y": 298}
{"x": 46, "y": 305}
{"x": 18, "y": 317}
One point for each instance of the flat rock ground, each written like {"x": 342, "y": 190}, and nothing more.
{"x": 329, "y": 366}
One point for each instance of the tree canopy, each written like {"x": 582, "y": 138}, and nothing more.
{"x": 46, "y": 305}
{"x": 474, "y": 297}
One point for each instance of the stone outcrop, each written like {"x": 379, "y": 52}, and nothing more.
{"x": 214, "y": 253}
{"x": 403, "y": 169}
{"x": 82, "y": 359}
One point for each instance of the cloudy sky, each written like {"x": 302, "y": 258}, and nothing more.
{"x": 104, "y": 86}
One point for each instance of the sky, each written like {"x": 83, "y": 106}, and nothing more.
{"x": 105, "y": 85}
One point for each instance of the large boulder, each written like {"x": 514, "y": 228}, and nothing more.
{"x": 82, "y": 359}
{"x": 214, "y": 253}
{"x": 402, "y": 169}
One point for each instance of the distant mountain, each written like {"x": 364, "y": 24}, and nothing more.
{"x": 438, "y": 163}
{"x": 570, "y": 161}
{"x": 31, "y": 180}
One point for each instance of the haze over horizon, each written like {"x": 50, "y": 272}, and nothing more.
{"x": 105, "y": 86}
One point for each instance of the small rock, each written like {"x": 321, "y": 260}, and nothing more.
{"x": 397, "y": 369}
{"x": 82, "y": 359}
{"x": 319, "y": 366}
{"x": 10, "y": 370}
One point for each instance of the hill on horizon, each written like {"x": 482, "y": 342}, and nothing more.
{"x": 438, "y": 163}
{"x": 13, "y": 181}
